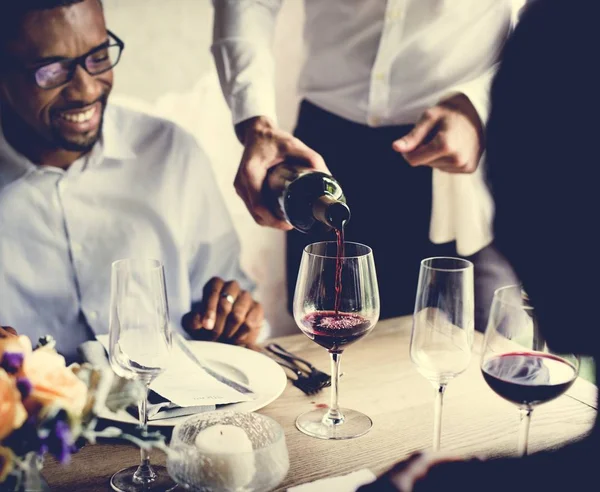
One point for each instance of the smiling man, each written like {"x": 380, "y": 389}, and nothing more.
{"x": 84, "y": 183}
{"x": 59, "y": 123}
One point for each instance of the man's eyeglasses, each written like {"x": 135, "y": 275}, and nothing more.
{"x": 95, "y": 62}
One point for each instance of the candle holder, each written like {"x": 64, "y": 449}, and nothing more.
{"x": 228, "y": 452}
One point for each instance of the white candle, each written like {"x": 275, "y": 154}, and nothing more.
{"x": 230, "y": 452}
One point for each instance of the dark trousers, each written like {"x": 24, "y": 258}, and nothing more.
{"x": 390, "y": 202}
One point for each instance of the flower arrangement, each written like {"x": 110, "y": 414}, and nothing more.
{"x": 47, "y": 407}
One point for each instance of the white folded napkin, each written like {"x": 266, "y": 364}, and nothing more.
{"x": 169, "y": 410}
{"x": 462, "y": 210}
{"x": 93, "y": 351}
{"x": 343, "y": 483}
{"x": 186, "y": 384}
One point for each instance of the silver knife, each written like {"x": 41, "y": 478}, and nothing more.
{"x": 239, "y": 387}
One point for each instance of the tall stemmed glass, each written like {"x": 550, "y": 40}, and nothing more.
{"x": 517, "y": 363}
{"x": 442, "y": 332}
{"x": 140, "y": 347}
{"x": 316, "y": 315}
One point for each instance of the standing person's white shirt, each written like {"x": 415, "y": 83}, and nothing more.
{"x": 378, "y": 63}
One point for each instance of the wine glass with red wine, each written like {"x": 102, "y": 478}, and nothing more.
{"x": 443, "y": 326}
{"x": 517, "y": 363}
{"x": 336, "y": 303}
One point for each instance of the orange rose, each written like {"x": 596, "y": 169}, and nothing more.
{"x": 53, "y": 383}
{"x": 15, "y": 345}
{"x": 12, "y": 412}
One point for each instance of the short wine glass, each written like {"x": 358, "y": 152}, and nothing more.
{"x": 315, "y": 302}
{"x": 516, "y": 361}
{"x": 140, "y": 343}
{"x": 442, "y": 332}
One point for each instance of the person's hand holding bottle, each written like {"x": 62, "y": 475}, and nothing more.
{"x": 265, "y": 146}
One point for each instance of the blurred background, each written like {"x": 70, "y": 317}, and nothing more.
{"x": 167, "y": 69}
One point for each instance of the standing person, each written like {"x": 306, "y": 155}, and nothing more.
{"x": 394, "y": 103}
{"x": 541, "y": 123}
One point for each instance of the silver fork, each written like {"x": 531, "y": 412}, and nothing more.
{"x": 322, "y": 377}
{"x": 305, "y": 382}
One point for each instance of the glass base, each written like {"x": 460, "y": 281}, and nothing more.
{"x": 123, "y": 480}
{"x": 316, "y": 424}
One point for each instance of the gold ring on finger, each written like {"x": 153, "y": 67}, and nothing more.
{"x": 229, "y": 297}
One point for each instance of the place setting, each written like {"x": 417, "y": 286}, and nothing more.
{"x": 207, "y": 393}
{"x": 205, "y": 388}
{"x": 202, "y": 413}
{"x": 201, "y": 405}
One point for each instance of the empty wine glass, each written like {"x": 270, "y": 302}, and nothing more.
{"x": 315, "y": 301}
{"x": 442, "y": 331}
{"x": 139, "y": 347}
{"x": 517, "y": 363}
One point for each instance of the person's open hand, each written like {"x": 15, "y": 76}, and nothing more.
{"x": 448, "y": 137}
{"x": 226, "y": 314}
{"x": 266, "y": 146}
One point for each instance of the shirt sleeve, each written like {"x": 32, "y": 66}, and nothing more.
{"x": 242, "y": 49}
{"x": 212, "y": 242}
{"x": 478, "y": 92}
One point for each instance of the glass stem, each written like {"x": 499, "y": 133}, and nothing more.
{"x": 144, "y": 473}
{"x": 334, "y": 416}
{"x": 437, "y": 419}
{"x": 524, "y": 430}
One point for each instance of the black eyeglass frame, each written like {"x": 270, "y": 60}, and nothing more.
{"x": 73, "y": 63}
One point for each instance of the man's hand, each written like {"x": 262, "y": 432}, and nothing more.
{"x": 266, "y": 146}
{"x": 403, "y": 476}
{"x": 7, "y": 332}
{"x": 448, "y": 137}
{"x": 227, "y": 314}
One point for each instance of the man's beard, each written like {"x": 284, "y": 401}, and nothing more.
{"x": 80, "y": 143}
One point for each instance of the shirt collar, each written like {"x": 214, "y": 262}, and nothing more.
{"x": 113, "y": 144}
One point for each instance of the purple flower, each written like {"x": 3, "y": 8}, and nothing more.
{"x": 24, "y": 386}
{"x": 43, "y": 447}
{"x": 60, "y": 441}
{"x": 12, "y": 362}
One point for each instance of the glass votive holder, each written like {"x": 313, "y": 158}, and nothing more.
{"x": 228, "y": 452}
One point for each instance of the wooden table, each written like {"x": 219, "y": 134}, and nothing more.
{"x": 379, "y": 380}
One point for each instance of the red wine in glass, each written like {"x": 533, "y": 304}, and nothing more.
{"x": 335, "y": 331}
{"x": 325, "y": 266}
{"x": 529, "y": 378}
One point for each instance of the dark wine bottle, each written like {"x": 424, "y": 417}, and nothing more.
{"x": 309, "y": 200}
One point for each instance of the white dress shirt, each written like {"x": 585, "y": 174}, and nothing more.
{"x": 378, "y": 63}
{"x": 145, "y": 190}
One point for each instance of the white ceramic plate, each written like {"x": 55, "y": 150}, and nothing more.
{"x": 266, "y": 378}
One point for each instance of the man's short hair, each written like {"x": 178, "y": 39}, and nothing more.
{"x": 13, "y": 11}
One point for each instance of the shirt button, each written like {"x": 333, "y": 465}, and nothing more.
{"x": 76, "y": 248}
{"x": 93, "y": 315}
{"x": 62, "y": 185}
{"x": 380, "y": 76}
